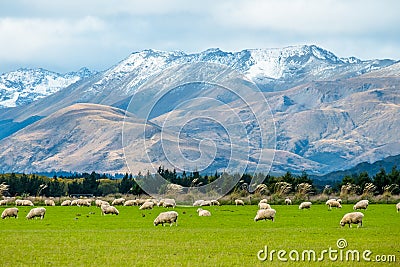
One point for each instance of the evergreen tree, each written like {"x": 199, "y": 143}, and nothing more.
{"x": 126, "y": 184}
{"x": 380, "y": 180}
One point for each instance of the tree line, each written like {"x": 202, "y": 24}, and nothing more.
{"x": 101, "y": 184}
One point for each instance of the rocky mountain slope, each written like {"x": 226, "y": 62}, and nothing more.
{"x": 324, "y": 113}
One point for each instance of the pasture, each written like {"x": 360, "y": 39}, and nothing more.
{"x": 80, "y": 236}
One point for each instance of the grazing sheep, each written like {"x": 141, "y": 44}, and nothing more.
{"x": 168, "y": 203}
{"x": 166, "y": 217}
{"x": 66, "y": 203}
{"x": 140, "y": 201}
{"x": 263, "y": 206}
{"x": 107, "y": 209}
{"x": 10, "y": 212}
{"x": 131, "y": 202}
{"x": 239, "y": 202}
{"x": 334, "y": 204}
{"x": 100, "y": 203}
{"x": 3, "y": 202}
{"x": 264, "y": 200}
{"x": 288, "y": 201}
{"x": 206, "y": 203}
{"x": 329, "y": 200}
{"x": 215, "y": 202}
{"x": 118, "y": 201}
{"x": 352, "y": 218}
{"x": 49, "y": 202}
{"x": 305, "y": 205}
{"x": 74, "y": 202}
{"x": 362, "y": 204}
{"x": 198, "y": 202}
{"x": 27, "y": 203}
{"x": 268, "y": 214}
{"x": 84, "y": 202}
{"x": 202, "y": 212}
{"x": 147, "y": 206}
{"x": 398, "y": 207}
{"x": 20, "y": 202}
{"x": 151, "y": 200}
{"x": 36, "y": 212}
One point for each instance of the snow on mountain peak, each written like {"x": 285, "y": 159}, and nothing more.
{"x": 26, "y": 85}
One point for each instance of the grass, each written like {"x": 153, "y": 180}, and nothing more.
{"x": 80, "y": 236}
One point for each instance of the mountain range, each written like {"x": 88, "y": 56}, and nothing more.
{"x": 324, "y": 113}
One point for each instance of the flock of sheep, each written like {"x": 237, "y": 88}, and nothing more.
{"x": 265, "y": 212}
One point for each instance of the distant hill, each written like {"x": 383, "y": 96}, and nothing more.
{"x": 370, "y": 168}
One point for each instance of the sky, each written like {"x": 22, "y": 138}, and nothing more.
{"x": 64, "y": 36}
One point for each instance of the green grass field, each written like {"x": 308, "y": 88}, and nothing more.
{"x": 80, "y": 236}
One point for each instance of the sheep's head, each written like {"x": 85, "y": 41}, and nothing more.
{"x": 342, "y": 223}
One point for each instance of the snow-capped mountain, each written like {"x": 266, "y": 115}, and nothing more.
{"x": 25, "y": 86}
{"x": 271, "y": 69}
{"x": 330, "y": 113}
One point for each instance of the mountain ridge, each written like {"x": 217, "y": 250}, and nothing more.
{"x": 330, "y": 113}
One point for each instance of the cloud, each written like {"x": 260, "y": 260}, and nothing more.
{"x": 311, "y": 16}
{"x": 24, "y": 38}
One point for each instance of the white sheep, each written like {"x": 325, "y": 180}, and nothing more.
{"x": 398, "y": 207}
{"x": 49, "y": 202}
{"x": 66, "y": 203}
{"x": 169, "y": 203}
{"x": 202, "y": 212}
{"x": 27, "y": 203}
{"x": 264, "y": 200}
{"x": 118, "y": 201}
{"x": 10, "y": 212}
{"x": 98, "y": 202}
{"x": 131, "y": 202}
{"x": 166, "y": 217}
{"x": 84, "y": 202}
{"x": 334, "y": 204}
{"x": 362, "y": 204}
{"x": 206, "y": 203}
{"x": 74, "y": 202}
{"x": 3, "y": 202}
{"x": 198, "y": 202}
{"x": 263, "y": 206}
{"x": 288, "y": 201}
{"x": 36, "y": 212}
{"x": 148, "y": 205}
{"x": 107, "y": 209}
{"x": 215, "y": 202}
{"x": 151, "y": 200}
{"x": 21, "y": 202}
{"x": 268, "y": 214}
{"x": 305, "y": 205}
{"x": 239, "y": 202}
{"x": 140, "y": 201}
{"x": 329, "y": 200}
{"x": 352, "y": 218}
